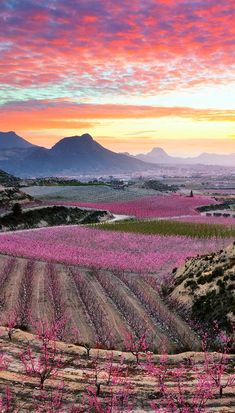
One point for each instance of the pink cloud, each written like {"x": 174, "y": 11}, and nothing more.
{"x": 167, "y": 44}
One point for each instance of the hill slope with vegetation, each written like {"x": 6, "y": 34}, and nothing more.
{"x": 8, "y": 180}
{"x": 48, "y": 216}
{"x": 206, "y": 286}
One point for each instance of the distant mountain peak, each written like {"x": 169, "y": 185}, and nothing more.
{"x": 10, "y": 140}
{"x": 159, "y": 155}
{"x": 86, "y": 136}
{"x": 11, "y": 132}
{"x": 75, "y": 140}
{"x": 157, "y": 151}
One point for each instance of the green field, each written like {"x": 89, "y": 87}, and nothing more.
{"x": 165, "y": 227}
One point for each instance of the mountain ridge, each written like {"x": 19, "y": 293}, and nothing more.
{"x": 159, "y": 155}
{"x": 10, "y": 140}
{"x": 74, "y": 154}
{"x": 83, "y": 155}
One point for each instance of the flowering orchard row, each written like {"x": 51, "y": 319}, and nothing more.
{"x": 91, "y": 247}
{"x": 67, "y": 379}
{"x": 151, "y": 206}
{"x": 98, "y": 307}
{"x": 204, "y": 219}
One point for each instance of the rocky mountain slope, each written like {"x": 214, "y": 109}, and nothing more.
{"x": 206, "y": 287}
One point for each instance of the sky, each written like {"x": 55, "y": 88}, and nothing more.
{"x": 134, "y": 74}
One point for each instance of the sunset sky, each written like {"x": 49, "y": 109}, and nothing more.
{"x": 133, "y": 73}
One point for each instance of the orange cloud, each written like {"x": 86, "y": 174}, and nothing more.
{"x": 62, "y": 114}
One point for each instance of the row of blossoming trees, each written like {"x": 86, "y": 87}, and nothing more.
{"x": 77, "y": 379}
{"x": 110, "y": 304}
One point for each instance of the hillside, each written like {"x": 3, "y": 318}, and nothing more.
{"x": 10, "y": 196}
{"x": 13, "y": 150}
{"x": 50, "y": 216}
{"x": 10, "y": 192}
{"x": 8, "y": 180}
{"x": 83, "y": 155}
{"x": 206, "y": 286}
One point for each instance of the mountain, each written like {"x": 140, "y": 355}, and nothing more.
{"x": 159, "y": 156}
{"x": 13, "y": 150}
{"x": 73, "y": 155}
{"x": 10, "y": 140}
{"x": 215, "y": 159}
{"x": 77, "y": 155}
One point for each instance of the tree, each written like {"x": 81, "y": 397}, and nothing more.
{"x": 44, "y": 365}
{"x": 17, "y": 210}
{"x": 48, "y": 361}
{"x": 191, "y": 194}
{"x": 216, "y": 363}
{"x": 11, "y": 323}
{"x": 136, "y": 345}
{"x": 87, "y": 347}
{"x": 6, "y": 405}
{"x": 103, "y": 374}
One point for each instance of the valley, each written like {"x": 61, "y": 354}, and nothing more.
{"x": 117, "y": 206}
{"x": 116, "y": 295}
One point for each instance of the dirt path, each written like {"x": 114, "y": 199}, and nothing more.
{"x": 118, "y": 323}
{"x": 79, "y": 319}
{"x": 41, "y": 305}
{"x": 12, "y": 289}
{"x": 138, "y": 312}
{"x": 173, "y": 324}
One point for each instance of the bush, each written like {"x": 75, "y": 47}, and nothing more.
{"x": 17, "y": 210}
{"x": 217, "y": 272}
{"x": 192, "y": 284}
{"x": 214, "y": 306}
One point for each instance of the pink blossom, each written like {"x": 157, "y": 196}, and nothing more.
{"x": 151, "y": 206}
{"x": 91, "y": 247}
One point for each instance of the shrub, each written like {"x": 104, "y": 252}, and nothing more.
{"x": 192, "y": 284}
{"x": 17, "y": 210}
{"x": 217, "y": 272}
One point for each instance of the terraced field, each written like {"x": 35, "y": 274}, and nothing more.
{"x": 179, "y": 381}
{"x": 98, "y": 307}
